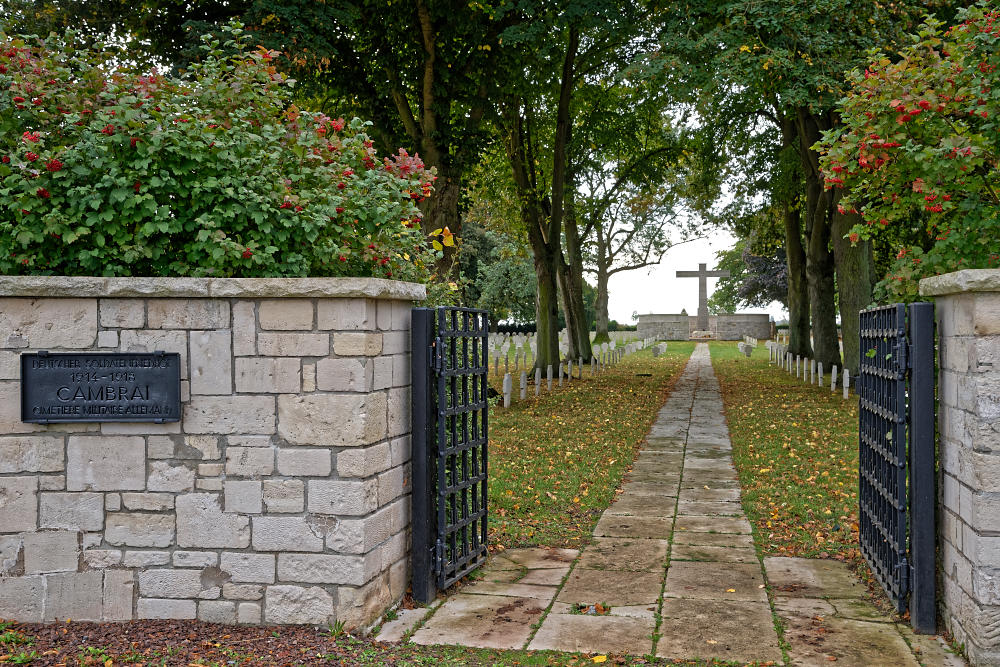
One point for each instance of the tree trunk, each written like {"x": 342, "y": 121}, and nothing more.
{"x": 798, "y": 285}
{"x": 577, "y": 327}
{"x": 602, "y": 306}
{"x": 546, "y": 308}
{"x": 440, "y": 210}
{"x": 854, "y": 285}
{"x": 819, "y": 256}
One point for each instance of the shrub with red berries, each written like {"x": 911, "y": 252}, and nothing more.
{"x": 920, "y": 145}
{"x": 108, "y": 171}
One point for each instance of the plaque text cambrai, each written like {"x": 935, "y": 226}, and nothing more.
{"x": 100, "y": 387}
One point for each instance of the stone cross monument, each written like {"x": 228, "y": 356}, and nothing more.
{"x": 702, "y": 274}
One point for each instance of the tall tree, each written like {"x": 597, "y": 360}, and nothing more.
{"x": 789, "y": 55}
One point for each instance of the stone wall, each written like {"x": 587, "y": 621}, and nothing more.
{"x": 663, "y": 327}
{"x": 734, "y": 326}
{"x": 282, "y": 495}
{"x": 968, "y": 317}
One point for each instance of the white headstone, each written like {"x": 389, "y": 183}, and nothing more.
{"x": 508, "y": 387}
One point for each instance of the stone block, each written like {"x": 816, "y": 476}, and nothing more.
{"x": 18, "y": 504}
{"x": 268, "y": 375}
{"x": 118, "y": 590}
{"x": 297, "y": 605}
{"x": 383, "y": 318}
{"x": 211, "y": 362}
{"x": 99, "y": 559}
{"x": 383, "y": 373}
{"x": 399, "y": 411}
{"x": 210, "y": 469}
{"x": 399, "y": 450}
{"x": 138, "y": 428}
{"x": 106, "y": 463}
{"x": 284, "y": 495}
{"x": 249, "y": 461}
{"x": 392, "y": 484}
{"x": 153, "y": 608}
{"x": 396, "y": 342}
{"x": 71, "y": 511}
{"x": 107, "y": 339}
{"x": 363, "y": 461}
{"x": 22, "y": 598}
{"x": 201, "y": 523}
{"x": 10, "y": 410}
{"x": 52, "y": 483}
{"x": 303, "y": 462}
{"x": 148, "y": 502}
{"x": 292, "y": 533}
{"x": 985, "y": 515}
{"x": 31, "y": 453}
{"x": 344, "y": 375}
{"x": 48, "y": 324}
{"x": 987, "y": 317}
{"x": 243, "y": 497}
{"x": 345, "y": 314}
{"x": 242, "y": 591}
{"x": 209, "y": 484}
{"x": 401, "y": 315}
{"x": 144, "y": 340}
{"x": 244, "y": 329}
{"x": 143, "y": 559}
{"x": 139, "y": 530}
{"x": 343, "y": 497}
{"x": 248, "y": 568}
{"x": 250, "y": 441}
{"x": 332, "y": 420}
{"x": 293, "y": 344}
{"x": 308, "y": 378}
{"x": 358, "y": 536}
{"x": 165, "y": 477}
{"x": 10, "y": 366}
{"x": 78, "y": 596}
{"x": 51, "y": 551}
{"x": 217, "y": 611}
{"x": 248, "y": 613}
{"x": 122, "y": 313}
{"x": 351, "y": 344}
{"x": 187, "y": 314}
{"x": 285, "y": 314}
{"x": 112, "y": 502}
{"x": 224, "y": 415}
{"x": 401, "y": 370}
{"x": 195, "y": 559}
{"x": 327, "y": 568}
{"x": 360, "y": 606}
{"x": 10, "y": 555}
{"x": 170, "y": 583}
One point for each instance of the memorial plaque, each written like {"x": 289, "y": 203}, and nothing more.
{"x": 101, "y": 387}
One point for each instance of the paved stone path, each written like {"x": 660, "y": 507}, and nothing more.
{"x": 676, "y": 546}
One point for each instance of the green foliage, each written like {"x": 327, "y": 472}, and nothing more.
{"x": 500, "y": 274}
{"x": 108, "y": 172}
{"x": 920, "y": 147}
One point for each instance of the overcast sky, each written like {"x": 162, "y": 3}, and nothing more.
{"x": 657, "y": 290}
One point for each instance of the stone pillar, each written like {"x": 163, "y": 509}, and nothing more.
{"x": 968, "y": 319}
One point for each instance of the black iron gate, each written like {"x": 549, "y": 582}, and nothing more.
{"x": 450, "y": 435}
{"x": 896, "y": 455}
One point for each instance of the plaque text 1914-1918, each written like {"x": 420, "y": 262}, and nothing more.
{"x": 100, "y": 387}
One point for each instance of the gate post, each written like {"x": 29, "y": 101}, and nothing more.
{"x": 923, "y": 608}
{"x": 423, "y": 580}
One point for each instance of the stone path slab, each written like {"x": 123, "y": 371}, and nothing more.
{"x": 674, "y": 558}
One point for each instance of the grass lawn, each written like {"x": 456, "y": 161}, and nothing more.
{"x": 556, "y": 460}
{"x": 795, "y": 447}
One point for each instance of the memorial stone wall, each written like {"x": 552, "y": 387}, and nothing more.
{"x": 279, "y": 493}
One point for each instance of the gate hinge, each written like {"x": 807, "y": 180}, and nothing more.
{"x": 903, "y": 354}
{"x": 438, "y": 558}
{"x": 904, "y": 576}
{"x": 436, "y": 356}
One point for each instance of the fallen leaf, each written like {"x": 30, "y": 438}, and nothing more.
{"x": 600, "y": 658}
{"x": 711, "y": 641}
{"x": 730, "y": 590}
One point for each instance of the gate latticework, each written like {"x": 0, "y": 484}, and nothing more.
{"x": 896, "y": 455}
{"x": 450, "y": 453}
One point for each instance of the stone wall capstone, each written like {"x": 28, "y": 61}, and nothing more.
{"x": 967, "y": 305}
{"x": 282, "y": 494}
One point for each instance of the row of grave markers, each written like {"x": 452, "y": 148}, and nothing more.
{"x": 606, "y": 354}
{"x": 809, "y": 370}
